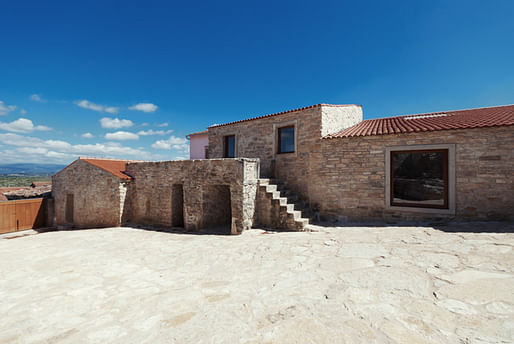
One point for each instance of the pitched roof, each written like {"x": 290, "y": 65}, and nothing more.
{"x": 12, "y": 188}
{"x": 281, "y": 113}
{"x": 197, "y": 133}
{"x": 114, "y": 167}
{"x": 37, "y": 184}
{"x": 459, "y": 119}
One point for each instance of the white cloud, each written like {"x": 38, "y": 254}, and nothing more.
{"x": 154, "y": 132}
{"x": 173, "y": 142}
{"x": 87, "y": 135}
{"x": 35, "y": 149}
{"x": 115, "y": 123}
{"x": 5, "y": 109}
{"x": 37, "y": 98}
{"x": 121, "y": 135}
{"x": 145, "y": 107}
{"x": 163, "y": 125}
{"x": 111, "y": 109}
{"x": 42, "y": 128}
{"x": 22, "y": 125}
{"x": 86, "y": 104}
{"x": 23, "y": 111}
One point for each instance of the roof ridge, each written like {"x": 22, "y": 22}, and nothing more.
{"x": 491, "y": 116}
{"x": 281, "y": 113}
{"x": 437, "y": 112}
{"x": 108, "y": 159}
{"x": 118, "y": 169}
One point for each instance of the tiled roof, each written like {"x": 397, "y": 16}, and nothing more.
{"x": 197, "y": 133}
{"x": 281, "y": 113}
{"x": 12, "y": 188}
{"x": 114, "y": 167}
{"x": 2, "y": 197}
{"x": 460, "y": 119}
{"x": 36, "y": 184}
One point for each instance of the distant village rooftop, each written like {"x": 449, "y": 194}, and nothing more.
{"x": 115, "y": 167}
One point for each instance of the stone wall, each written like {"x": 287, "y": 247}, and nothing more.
{"x": 258, "y": 138}
{"x": 96, "y": 196}
{"x": 346, "y": 179}
{"x": 151, "y": 192}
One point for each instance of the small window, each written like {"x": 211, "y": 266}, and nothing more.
{"x": 206, "y": 152}
{"x": 419, "y": 178}
{"x": 230, "y": 147}
{"x": 286, "y": 140}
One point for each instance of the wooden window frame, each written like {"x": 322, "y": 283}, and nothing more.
{"x": 279, "y": 146}
{"x": 225, "y": 146}
{"x": 444, "y": 206}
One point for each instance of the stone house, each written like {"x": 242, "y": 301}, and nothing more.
{"x": 323, "y": 161}
{"x": 90, "y": 193}
{"x": 445, "y": 165}
{"x": 192, "y": 194}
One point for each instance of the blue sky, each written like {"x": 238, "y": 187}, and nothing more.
{"x": 158, "y": 70}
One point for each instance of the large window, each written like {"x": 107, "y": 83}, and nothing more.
{"x": 229, "y": 146}
{"x": 286, "y": 139}
{"x": 419, "y": 178}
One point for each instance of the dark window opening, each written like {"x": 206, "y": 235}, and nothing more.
{"x": 177, "y": 205}
{"x": 206, "y": 152}
{"x": 69, "y": 209}
{"x": 419, "y": 178}
{"x": 230, "y": 146}
{"x": 286, "y": 140}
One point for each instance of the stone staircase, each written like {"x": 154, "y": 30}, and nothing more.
{"x": 280, "y": 208}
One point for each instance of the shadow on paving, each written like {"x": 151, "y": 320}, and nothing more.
{"x": 219, "y": 230}
{"x": 450, "y": 226}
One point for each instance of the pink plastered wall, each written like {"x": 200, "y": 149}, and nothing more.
{"x": 197, "y": 144}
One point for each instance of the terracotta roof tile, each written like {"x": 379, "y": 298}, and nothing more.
{"x": 197, "y": 133}
{"x": 281, "y": 113}
{"x": 12, "y": 188}
{"x": 460, "y": 119}
{"x": 114, "y": 167}
{"x": 36, "y": 184}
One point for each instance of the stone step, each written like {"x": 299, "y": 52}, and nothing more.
{"x": 263, "y": 181}
{"x": 295, "y": 213}
{"x": 270, "y": 188}
{"x": 289, "y": 204}
{"x": 301, "y": 224}
{"x": 281, "y": 200}
{"x": 289, "y": 207}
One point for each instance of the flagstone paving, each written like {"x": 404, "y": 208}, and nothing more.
{"x": 334, "y": 285}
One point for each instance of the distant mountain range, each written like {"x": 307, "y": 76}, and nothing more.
{"x": 30, "y": 169}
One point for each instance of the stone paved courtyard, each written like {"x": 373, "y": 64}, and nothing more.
{"x": 336, "y": 285}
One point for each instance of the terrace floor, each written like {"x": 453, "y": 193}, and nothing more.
{"x": 336, "y": 285}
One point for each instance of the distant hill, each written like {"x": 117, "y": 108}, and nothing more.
{"x": 26, "y": 169}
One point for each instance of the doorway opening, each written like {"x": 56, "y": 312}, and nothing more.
{"x": 69, "y": 209}
{"x": 177, "y": 205}
{"x": 217, "y": 208}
